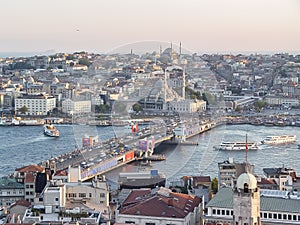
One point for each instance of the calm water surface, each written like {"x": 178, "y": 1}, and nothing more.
{"x": 26, "y": 145}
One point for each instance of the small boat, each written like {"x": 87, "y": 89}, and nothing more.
{"x": 281, "y": 139}
{"x": 236, "y": 146}
{"x": 50, "y": 130}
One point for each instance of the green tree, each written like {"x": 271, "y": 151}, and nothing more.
{"x": 85, "y": 62}
{"x": 137, "y": 107}
{"x": 214, "y": 185}
{"x": 102, "y": 108}
{"x": 259, "y": 105}
{"x": 70, "y": 57}
{"x": 23, "y": 110}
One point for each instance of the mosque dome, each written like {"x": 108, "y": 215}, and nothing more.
{"x": 246, "y": 178}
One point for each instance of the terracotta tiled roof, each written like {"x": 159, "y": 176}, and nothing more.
{"x": 21, "y": 202}
{"x": 61, "y": 173}
{"x": 265, "y": 181}
{"x": 172, "y": 204}
{"x": 29, "y": 178}
{"x": 30, "y": 168}
{"x": 135, "y": 195}
{"x": 200, "y": 179}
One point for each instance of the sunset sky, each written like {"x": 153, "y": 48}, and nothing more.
{"x": 202, "y": 26}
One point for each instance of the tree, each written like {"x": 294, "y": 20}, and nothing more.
{"x": 137, "y": 107}
{"x": 214, "y": 185}
{"x": 259, "y": 105}
{"x": 70, "y": 57}
{"x": 85, "y": 62}
{"x": 102, "y": 108}
{"x": 23, "y": 110}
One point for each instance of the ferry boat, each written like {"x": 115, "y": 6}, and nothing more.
{"x": 50, "y": 130}
{"x": 236, "y": 146}
{"x": 281, "y": 139}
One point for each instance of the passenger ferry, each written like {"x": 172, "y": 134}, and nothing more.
{"x": 50, "y": 130}
{"x": 236, "y": 146}
{"x": 282, "y": 139}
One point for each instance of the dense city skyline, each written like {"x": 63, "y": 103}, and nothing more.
{"x": 202, "y": 26}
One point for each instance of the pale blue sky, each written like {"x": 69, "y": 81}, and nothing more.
{"x": 201, "y": 25}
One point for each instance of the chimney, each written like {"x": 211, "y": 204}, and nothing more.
{"x": 170, "y": 201}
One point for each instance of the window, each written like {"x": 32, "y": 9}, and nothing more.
{"x": 102, "y": 195}
{"x": 90, "y": 195}
{"x": 82, "y": 195}
{"x": 218, "y": 212}
{"x": 294, "y": 217}
{"x": 265, "y": 215}
{"x": 214, "y": 211}
{"x": 284, "y": 216}
{"x": 270, "y": 215}
{"x": 150, "y": 223}
{"x": 279, "y": 216}
{"x": 289, "y": 217}
{"x": 130, "y": 222}
{"x": 274, "y": 216}
{"x": 56, "y": 199}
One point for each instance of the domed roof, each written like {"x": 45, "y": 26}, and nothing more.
{"x": 247, "y": 178}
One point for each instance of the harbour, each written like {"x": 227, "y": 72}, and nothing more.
{"x": 27, "y": 145}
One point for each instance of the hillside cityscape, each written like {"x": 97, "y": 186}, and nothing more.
{"x": 163, "y": 97}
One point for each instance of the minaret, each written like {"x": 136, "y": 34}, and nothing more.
{"x": 165, "y": 87}
{"x": 183, "y": 83}
{"x": 246, "y": 201}
{"x": 180, "y": 50}
{"x": 171, "y": 53}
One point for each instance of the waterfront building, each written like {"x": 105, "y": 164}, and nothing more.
{"x": 40, "y": 104}
{"x": 229, "y": 171}
{"x": 199, "y": 186}
{"x": 69, "y": 193}
{"x": 186, "y": 106}
{"x": 285, "y": 178}
{"x": 71, "y": 106}
{"x": 276, "y": 207}
{"x": 10, "y": 191}
{"x": 159, "y": 206}
{"x": 141, "y": 179}
{"x": 274, "y": 100}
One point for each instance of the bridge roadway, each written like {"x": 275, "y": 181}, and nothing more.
{"x": 103, "y": 157}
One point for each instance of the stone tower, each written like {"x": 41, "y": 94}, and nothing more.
{"x": 246, "y": 201}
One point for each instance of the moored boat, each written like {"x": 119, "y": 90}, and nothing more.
{"x": 236, "y": 146}
{"x": 281, "y": 139}
{"x": 50, "y": 130}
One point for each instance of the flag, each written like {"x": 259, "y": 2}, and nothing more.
{"x": 246, "y": 143}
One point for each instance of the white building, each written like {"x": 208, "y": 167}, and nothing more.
{"x": 74, "y": 195}
{"x": 186, "y": 106}
{"x": 70, "y": 106}
{"x": 40, "y": 104}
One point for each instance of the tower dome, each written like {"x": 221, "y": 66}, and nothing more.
{"x": 246, "y": 179}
